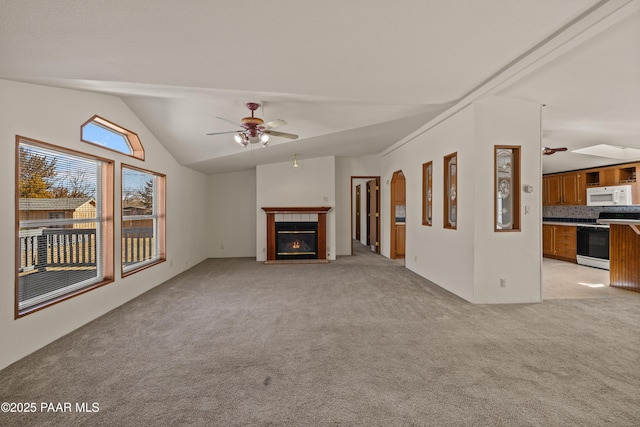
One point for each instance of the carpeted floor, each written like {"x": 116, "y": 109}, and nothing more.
{"x": 361, "y": 341}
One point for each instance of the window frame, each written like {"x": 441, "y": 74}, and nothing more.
{"x": 515, "y": 187}
{"x": 137, "y": 150}
{"x": 105, "y": 221}
{"x": 159, "y": 216}
{"x": 451, "y": 191}
{"x": 427, "y": 193}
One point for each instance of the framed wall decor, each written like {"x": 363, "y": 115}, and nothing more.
{"x": 427, "y": 194}
{"x": 506, "y": 188}
{"x": 451, "y": 191}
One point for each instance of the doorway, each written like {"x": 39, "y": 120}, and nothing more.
{"x": 398, "y": 215}
{"x": 365, "y": 211}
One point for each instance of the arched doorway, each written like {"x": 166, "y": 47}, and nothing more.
{"x": 398, "y": 215}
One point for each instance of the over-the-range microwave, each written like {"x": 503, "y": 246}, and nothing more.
{"x": 615, "y": 195}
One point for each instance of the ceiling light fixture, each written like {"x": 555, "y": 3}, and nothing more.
{"x": 242, "y": 139}
{"x": 255, "y": 130}
{"x": 295, "y": 160}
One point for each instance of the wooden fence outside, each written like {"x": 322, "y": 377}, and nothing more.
{"x": 73, "y": 248}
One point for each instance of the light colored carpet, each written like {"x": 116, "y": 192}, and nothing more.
{"x": 361, "y": 341}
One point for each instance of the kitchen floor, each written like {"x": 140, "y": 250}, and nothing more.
{"x": 562, "y": 279}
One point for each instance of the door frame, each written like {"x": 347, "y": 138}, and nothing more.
{"x": 365, "y": 177}
{"x": 399, "y": 173}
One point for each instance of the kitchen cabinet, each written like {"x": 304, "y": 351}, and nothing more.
{"x": 612, "y": 175}
{"x": 624, "y": 174}
{"x": 559, "y": 242}
{"x": 564, "y": 189}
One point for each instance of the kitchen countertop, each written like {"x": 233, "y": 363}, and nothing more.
{"x": 576, "y": 224}
{"x": 619, "y": 221}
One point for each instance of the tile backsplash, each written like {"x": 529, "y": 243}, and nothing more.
{"x": 586, "y": 212}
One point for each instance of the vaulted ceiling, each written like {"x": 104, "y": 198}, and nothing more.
{"x": 350, "y": 77}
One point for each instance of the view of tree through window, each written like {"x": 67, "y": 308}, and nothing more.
{"x": 142, "y": 218}
{"x": 63, "y": 230}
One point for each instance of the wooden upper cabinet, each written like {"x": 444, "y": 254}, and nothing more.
{"x": 553, "y": 189}
{"x": 573, "y": 190}
{"x": 564, "y": 189}
{"x": 608, "y": 176}
{"x": 570, "y": 188}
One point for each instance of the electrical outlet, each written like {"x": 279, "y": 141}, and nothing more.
{"x": 222, "y": 247}
{"x": 503, "y": 282}
{"x": 415, "y": 258}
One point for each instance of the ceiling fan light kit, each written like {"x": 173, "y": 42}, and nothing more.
{"x": 255, "y": 130}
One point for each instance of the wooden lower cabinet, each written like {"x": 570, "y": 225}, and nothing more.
{"x": 625, "y": 257}
{"x": 400, "y": 240}
{"x": 559, "y": 242}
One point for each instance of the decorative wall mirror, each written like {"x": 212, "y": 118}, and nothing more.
{"x": 507, "y": 188}
{"x": 427, "y": 193}
{"x": 451, "y": 191}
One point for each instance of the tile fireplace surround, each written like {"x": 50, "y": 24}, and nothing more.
{"x": 298, "y": 213}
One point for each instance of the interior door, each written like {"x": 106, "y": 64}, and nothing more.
{"x": 398, "y": 214}
{"x": 358, "y": 209}
{"x": 373, "y": 188}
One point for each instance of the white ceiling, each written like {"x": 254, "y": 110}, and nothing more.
{"x": 350, "y": 77}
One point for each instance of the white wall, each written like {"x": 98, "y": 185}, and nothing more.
{"x": 470, "y": 261}
{"x": 346, "y": 167}
{"x": 441, "y": 255}
{"x": 54, "y": 116}
{"x": 282, "y": 185}
{"x": 514, "y": 256}
{"x": 231, "y": 215}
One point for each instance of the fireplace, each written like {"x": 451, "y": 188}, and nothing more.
{"x": 296, "y": 240}
{"x": 296, "y": 234}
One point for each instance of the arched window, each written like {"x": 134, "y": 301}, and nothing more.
{"x": 109, "y": 135}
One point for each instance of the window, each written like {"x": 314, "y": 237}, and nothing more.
{"x": 64, "y": 242}
{"x": 451, "y": 191}
{"x": 427, "y": 193}
{"x": 143, "y": 219}
{"x": 507, "y": 188}
{"x": 109, "y": 135}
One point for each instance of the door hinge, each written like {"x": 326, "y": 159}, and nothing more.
{"x": 377, "y": 214}
{"x": 377, "y": 244}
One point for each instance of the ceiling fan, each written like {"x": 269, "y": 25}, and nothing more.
{"x": 548, "y": 151}
{"x": 254, "y": 129}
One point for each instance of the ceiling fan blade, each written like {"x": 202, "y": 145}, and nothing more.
{"x": 274, "y": 124}
{"x": 281, "y": 134}
{"x": 222, "y": 133}
{"x": 548, "y": 151}
{"x": 229, "y": 121}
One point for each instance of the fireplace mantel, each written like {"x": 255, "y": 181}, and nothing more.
{"x": 298, "y": 209}
{"x": 321, "y": 211}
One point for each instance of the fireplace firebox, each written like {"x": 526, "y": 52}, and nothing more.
{"x": 296, "y": 240}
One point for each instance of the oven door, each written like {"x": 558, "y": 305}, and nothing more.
{"x": 593, "y": 246}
